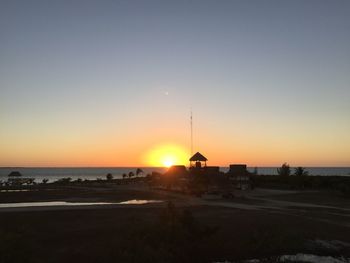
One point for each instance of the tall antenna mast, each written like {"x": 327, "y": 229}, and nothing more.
{"x": 191, "y": 134}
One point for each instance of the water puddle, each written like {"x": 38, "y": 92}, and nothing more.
{"x": 64, "y": 203}
{"x": 19, "y": 190}
{"x": 139, "y": 202}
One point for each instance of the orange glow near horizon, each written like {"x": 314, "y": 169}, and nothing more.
{"x": 166, "y": 155}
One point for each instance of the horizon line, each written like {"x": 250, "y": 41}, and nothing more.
{"x": 86, "y": 167}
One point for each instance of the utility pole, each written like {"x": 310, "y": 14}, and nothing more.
{"x": 191, "y": 134}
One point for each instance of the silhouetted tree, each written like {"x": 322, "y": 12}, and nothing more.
{"x": 300, "y": 171}
{"x": 65, "y": 180}
{"x": 45, "y": 181}
{"x": 124, "y": 175}
{"x": 284, "y": 170}
{"x": 131, "y": 174}
{"x": 139, "y": 171}
{"x": 30, "y": 181}
{"x": 109, "y": 176}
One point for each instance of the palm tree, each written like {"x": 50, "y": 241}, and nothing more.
{"x": 284, "y": 170}
{"x": 131, "y": 174}
{"x": 139, "y": 171}
{"x": 124, "y": 175}
{"x": 30, "y": 181}
{"x": 45, "y": 181}
{"x": 300, "y": 171}
{"x": 109, "y": 176}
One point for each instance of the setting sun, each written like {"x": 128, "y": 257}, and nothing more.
{"x": 168, "y": 162}
{"x": 167, "y": 155}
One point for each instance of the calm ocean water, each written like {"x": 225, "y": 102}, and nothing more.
{"x": 53, "y": 174}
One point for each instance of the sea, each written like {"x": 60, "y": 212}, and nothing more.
{"x": 93, "y": 173}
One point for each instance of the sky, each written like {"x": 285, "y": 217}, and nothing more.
{"x": 106, "y": 83}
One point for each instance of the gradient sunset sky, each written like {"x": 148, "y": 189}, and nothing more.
{"x": 104, "y": 83}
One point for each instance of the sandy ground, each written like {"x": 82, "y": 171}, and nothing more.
{"x": 253, "y": 224}
{"x": 258, "y": 199}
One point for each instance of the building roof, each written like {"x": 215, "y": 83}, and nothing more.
{"x": 15, "y": 173}
{"x": 177, "y": 170}
{"x": 198, "y": 157}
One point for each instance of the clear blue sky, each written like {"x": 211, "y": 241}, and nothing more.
{"x": 268, "y": 81}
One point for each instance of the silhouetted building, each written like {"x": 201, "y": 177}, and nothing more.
{"x": 212, "y": 169}
{"x": 177, "y": 170}
{"x": 239, "y": 176}
{"x": 198, "y": 159}
{"x": 200, "y": 178}
{"x": 175, "y": 178}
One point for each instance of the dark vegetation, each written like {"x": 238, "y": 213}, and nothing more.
{"x": 340, "y": 184}
{"x": 300, "y": 171}
{"x": 30, "y": 183}
{"x": 284, "y": 170}
{"x": 300, "y": 180}
{"x": 109, "y": 177}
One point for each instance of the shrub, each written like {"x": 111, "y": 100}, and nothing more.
{"x": 109, "y": 176}
{"x": 65, "y": 180}
{"x": 45, "y": 181}
{"x": 284, "y": 170}
{"x": 300, "y": 171}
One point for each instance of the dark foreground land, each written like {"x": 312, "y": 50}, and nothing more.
{"x": 261, "y": 224}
